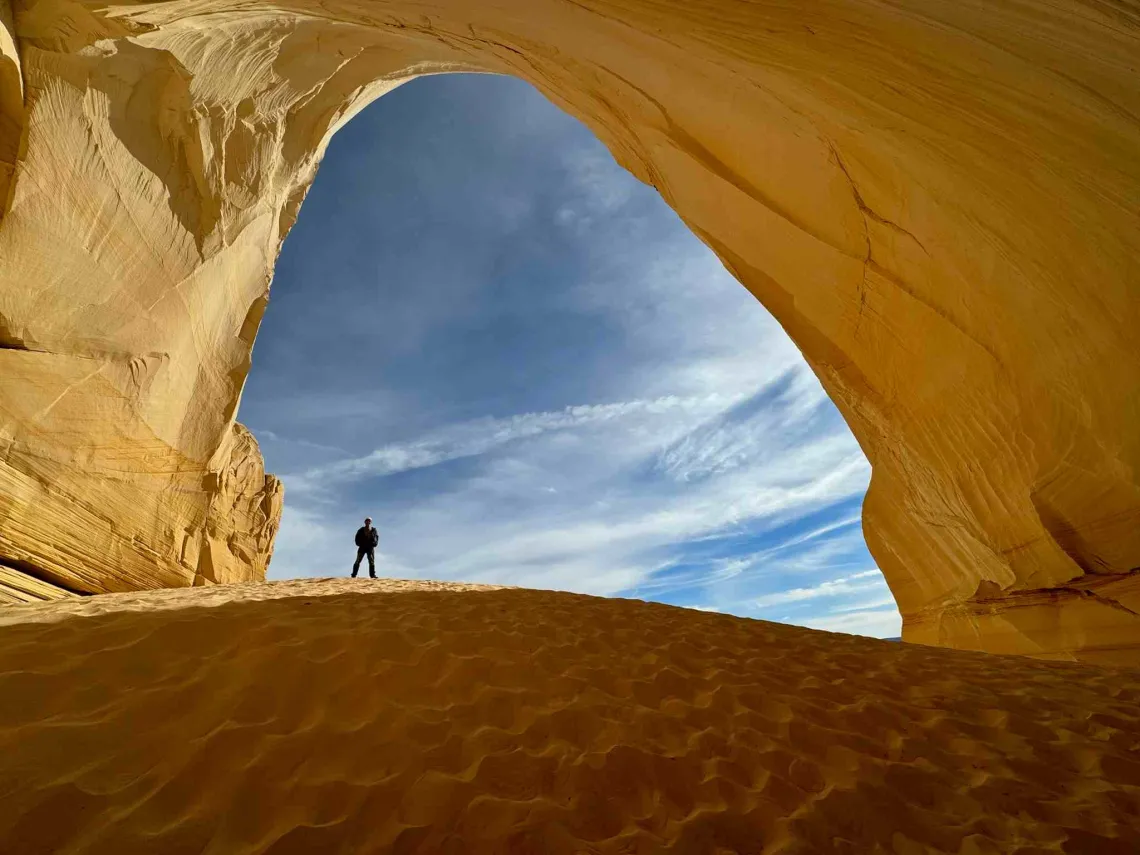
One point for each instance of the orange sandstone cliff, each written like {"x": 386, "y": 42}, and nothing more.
{"x": 940, "y": 202}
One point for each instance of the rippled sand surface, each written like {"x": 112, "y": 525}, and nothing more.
{"x": 351, "y": 716}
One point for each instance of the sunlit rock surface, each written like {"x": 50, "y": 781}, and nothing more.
{"x": 939, "y": 201}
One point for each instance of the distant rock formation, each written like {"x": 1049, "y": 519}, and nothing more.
{"x": 939, "y": 202}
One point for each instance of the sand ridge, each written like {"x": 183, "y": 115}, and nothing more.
{"x": 354, "y": 716}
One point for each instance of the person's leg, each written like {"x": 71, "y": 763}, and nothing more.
{"x": 356, "y": 565}
{"x": 371, "y": 563}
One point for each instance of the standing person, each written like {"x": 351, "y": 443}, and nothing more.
{"x": 367, "y": 539}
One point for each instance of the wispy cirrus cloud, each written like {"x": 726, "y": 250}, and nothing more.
{"x": 480, "y": 436}
{"x": 882, "y": 622}
{"x": 783, "y": 411}
{"x": 857, "y": 583}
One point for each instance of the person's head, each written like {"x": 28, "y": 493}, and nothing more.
{"x": 368, "y": 520}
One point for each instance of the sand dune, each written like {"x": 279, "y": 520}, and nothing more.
{"x": 361, "y": 717}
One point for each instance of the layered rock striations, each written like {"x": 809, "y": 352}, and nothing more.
{"x": 939, "y": 202}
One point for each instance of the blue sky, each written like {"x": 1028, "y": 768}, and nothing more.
{"x": 490, "y": 338}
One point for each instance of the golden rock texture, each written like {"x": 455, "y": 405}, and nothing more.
{"x": 939, "y": 201}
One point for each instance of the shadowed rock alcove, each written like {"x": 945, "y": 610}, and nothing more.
{"x": 939, "y": 203}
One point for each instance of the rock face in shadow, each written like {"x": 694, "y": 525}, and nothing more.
{"x": 939, "y": 202}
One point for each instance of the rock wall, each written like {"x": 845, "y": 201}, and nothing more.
{"x": 939, "y": 201}
{"x": 11, "y": 99}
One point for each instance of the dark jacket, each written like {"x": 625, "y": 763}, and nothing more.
{"x": 367, "y": 538}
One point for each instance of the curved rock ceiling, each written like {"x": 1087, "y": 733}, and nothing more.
{"x": 940, "y": 202}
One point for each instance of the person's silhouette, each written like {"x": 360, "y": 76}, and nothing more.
{"x": 367, "y": 539}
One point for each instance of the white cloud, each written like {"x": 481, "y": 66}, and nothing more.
{"x": 819, "y": 555}
{"x": 876, "y": 602}
{"x": 585, "y": 523}
{"x": 262, "y": 435}
{"x": 877, "y": 623}
{"x": 608, "y": 544}
{"x": 730, "y": 440}
{"x": 480, "y": 436}
{"x": 859, "y": 604}
{"x": 829, "y": 528}
{"x": 857, "y": 583}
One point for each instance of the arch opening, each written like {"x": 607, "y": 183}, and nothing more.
{"x": 507, "y": 351}
{"x": 937, "y": 204}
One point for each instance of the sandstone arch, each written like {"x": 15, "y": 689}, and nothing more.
{"x": 939, "y": 201}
